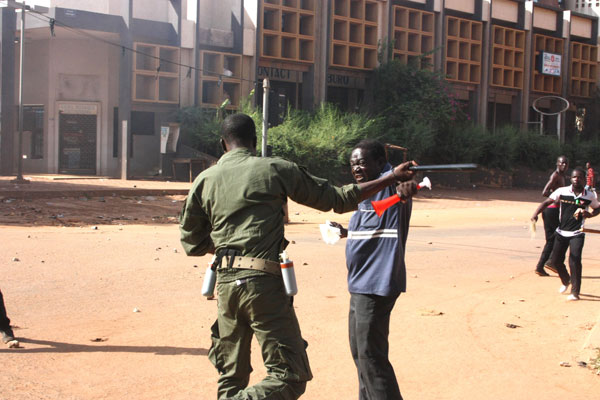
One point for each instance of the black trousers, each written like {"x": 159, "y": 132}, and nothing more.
{"x": 369, "y": 327}
{"x": 575, "y": 246}
{"x": 4, "y": 321}
{"x": 550, "y": 217}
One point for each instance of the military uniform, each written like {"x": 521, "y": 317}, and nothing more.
{"x": 237, "y": 207}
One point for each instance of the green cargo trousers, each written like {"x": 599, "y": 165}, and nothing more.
{"x": 258, "y": 306}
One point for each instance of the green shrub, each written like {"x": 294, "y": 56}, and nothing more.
{"x": 416, "y": 135}
{"x": 404, "y": 93}
{"x": 200, "y": 129}
{"x": 498, "y": 150}
{"x": 460, "y": 143}
{"x": 533, "y": 150}
{"x": 581, "y": 151}
{"x": 321, "y": 141}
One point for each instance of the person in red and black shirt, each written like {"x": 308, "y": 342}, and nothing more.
{"x": 590, "y": 179}
{"x": 573, "y": 201}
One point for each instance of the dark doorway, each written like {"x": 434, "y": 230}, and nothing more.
{"x": 77, "y": 143}
{"x": 346, "y": 99}
{"x": 498, "y": 115}
{"x": 282, "y": 95}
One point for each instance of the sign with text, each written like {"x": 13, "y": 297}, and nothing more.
{"x": 78, "y": 108}
{"x": 279, "y": 74}
{"x": 550, "y": 64}
{"x": 343, "y": 80}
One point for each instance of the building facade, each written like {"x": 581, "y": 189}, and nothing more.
{"x": 101, "y": 79}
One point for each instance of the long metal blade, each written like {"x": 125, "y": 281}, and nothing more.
{"x": 443, "y": 167}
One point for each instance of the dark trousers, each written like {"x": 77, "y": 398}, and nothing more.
{"x": 575, "y": 246}
{"x": 4, "y": 321}
{"x": 369, "y": 327}
{"x": 550, "y": 218}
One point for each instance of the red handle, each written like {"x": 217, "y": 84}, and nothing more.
{"x": 381, "y": 205}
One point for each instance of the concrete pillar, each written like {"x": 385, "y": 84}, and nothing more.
{"x": 125, "y": 86}
{"x": 178, "y": 10}
{"x": 566, "y": 34}
{"x": 322, "y": 32}
{"x": 438, "y": 57}
{"x": 527, "y": 70}
{"x": 8, "y": 112}
{"x": 486, "y": 18}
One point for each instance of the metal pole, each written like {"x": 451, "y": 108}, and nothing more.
{"x": 265, "y": 127}
{"x": 19, "y": 178}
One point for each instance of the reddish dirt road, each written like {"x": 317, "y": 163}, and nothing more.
{"x": 470, "y": 260}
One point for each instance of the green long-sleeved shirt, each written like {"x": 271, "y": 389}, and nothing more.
{"x": 238, "y": 204}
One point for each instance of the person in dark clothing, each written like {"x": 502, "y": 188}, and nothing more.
{"x": 8, "y": 337}
{"x": 550, "y": 214}
{"x": 573, "y": 201}
{"x": 376, "y": 272}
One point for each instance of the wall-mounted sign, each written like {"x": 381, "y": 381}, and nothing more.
{"x": 342, "y": 80}
{"x": 279, "y": 74}
{"x": 549, "y": 63}
{"x": 78, "y": 108}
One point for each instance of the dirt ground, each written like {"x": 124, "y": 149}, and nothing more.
{"x": 475, "y": 323}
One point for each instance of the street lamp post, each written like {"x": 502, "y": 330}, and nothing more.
{"x": 19, "y": 178}
{"x": 265, "y": 127}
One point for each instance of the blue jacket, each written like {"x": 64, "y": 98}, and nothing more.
{"x": 375, "y": 246}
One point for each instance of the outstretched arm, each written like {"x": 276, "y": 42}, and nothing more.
{"x": 401, "y": 173}
{"x": 541, "y": 207}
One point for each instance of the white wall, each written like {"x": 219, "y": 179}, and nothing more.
{"x": 581, "y": 26}
{"x": 506, "y": 10}
{"x": 467, "y": 6}
{"x": 190, "y": 10}
{"x": 97, "y": 6}
{"x": 79, "y": 70}
{"x": 35, "y": 91}
{"x": 155, "y": 10}
{"x": 250, "y": 26}
{"x": 543, "y": 18}
{"x": 217, "y": 14}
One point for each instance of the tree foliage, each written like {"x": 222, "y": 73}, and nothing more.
{"x": 409, "y": 107}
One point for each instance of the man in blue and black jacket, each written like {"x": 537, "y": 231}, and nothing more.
{"x": 376, "y": 272}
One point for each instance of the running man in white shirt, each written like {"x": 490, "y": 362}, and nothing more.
{"x": 573, "y": 201}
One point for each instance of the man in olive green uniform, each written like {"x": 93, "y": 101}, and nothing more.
{"x": 235, "y": 210}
